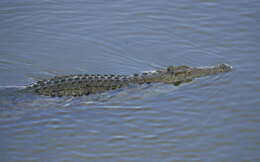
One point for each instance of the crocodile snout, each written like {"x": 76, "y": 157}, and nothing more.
{"x": 224, "y": 67}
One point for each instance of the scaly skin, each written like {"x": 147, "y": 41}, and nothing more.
{"x": 78, "y": 85}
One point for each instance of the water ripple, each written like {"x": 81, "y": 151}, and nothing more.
{"x": 212, "y": 118}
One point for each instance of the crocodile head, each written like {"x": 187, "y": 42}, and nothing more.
{"x": 180, "y": 74}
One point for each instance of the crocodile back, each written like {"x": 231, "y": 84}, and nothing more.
{"x": 78, "y": 85}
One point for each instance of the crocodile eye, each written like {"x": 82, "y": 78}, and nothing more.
{"x": 170, "y": 69}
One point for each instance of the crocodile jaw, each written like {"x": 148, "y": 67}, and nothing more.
{"x": 180, "y": 74}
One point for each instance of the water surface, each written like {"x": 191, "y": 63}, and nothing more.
{"x": 215, "y": 118}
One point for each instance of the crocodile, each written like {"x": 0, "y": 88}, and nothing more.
{"x": 79, "y": 85}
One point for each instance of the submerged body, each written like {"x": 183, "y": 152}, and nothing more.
{"x": 78, "y": 85}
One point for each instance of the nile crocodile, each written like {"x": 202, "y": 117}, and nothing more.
{"x": 79, "y": 85}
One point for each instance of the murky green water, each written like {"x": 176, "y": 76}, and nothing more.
{"x": 215, "y": 118}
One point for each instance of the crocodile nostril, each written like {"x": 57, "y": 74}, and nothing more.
{"x": 225, "y": 67}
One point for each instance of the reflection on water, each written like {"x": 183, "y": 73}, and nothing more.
{"x": 214, "y": 118}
